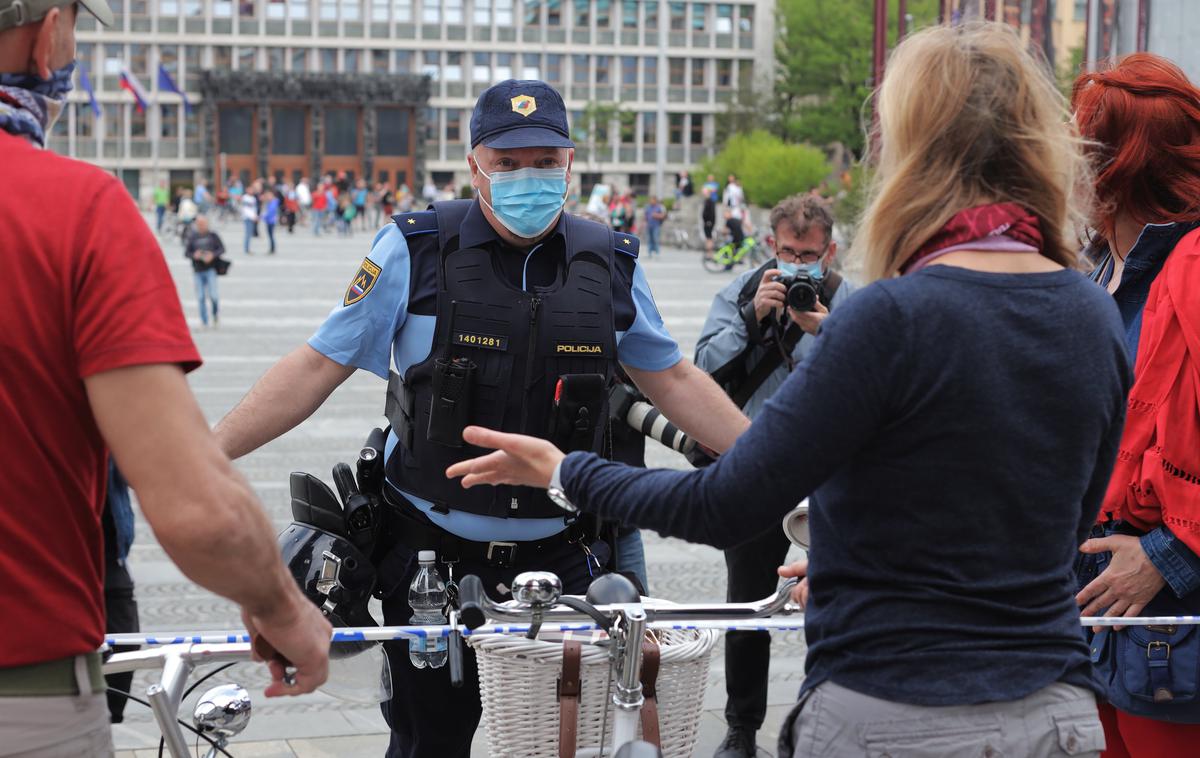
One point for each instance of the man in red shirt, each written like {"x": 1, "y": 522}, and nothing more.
{"x": 93, "y": 350}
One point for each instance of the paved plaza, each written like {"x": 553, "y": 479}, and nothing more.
{"x": 270, "y": 305}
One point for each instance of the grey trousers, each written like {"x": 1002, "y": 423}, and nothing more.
{"x": 69, "y": 726}
{"x": 835, "y": 722}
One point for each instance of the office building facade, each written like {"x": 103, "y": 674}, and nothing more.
{"x": 383, "y": 89}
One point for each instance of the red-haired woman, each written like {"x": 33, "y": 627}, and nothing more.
{"x": 1144, "y": 116}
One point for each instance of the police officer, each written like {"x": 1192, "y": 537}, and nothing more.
{"x": 501, "y": 311}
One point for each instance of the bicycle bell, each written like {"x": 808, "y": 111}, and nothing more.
{"x": 536, "y": 588}
{"x": 795, "y": 525}
{"x": 223, "y": 712}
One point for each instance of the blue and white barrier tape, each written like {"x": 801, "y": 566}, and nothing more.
{"x": 389, "y": 633}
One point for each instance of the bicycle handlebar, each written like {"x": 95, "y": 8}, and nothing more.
{"x": 483, "y": 608}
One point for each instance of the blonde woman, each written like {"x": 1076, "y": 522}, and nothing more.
{"x": 956, "y": 422}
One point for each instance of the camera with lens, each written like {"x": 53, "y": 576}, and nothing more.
{"x": 802, "y": 291}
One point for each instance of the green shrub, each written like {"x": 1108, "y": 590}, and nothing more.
{"x": 768, "y": 168}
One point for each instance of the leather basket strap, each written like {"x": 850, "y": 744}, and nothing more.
{"x": 650, "y": 660}
{"x": 569, "y": 687}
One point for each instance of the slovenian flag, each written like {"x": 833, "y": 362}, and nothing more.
{"x": 167, "y": 84}
{"x": 130, "y": 84}
{"x": 86, "y": 82}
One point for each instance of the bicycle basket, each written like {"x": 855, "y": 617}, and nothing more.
{"x": 518, "y": 681}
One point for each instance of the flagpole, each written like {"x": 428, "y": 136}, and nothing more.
{"x": 155, "y": 122}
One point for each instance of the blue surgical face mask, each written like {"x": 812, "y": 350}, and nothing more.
{"x": 526, "y": 201}
{"x": 812, "y": 269}
{"x": 788, "y": 269}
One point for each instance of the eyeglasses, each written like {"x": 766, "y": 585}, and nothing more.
{"x": 788, "y": 255}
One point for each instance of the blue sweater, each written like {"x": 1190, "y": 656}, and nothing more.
{"x": 958, "y": 429}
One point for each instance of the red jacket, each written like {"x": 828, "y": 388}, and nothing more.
{"x": 1157, "y": 476}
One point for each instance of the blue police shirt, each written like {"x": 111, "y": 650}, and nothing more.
{"x": 385, "y": 323}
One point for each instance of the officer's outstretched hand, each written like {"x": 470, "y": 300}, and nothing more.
{"x": 518, "y": 459}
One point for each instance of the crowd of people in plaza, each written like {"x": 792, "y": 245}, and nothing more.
{"x": 997, "y": 427}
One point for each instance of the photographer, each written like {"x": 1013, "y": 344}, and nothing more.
{"x": 750, "y": 342}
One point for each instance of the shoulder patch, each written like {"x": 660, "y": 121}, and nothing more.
{"x": 364, "y": 279}
{"x": 626, "y": 243}
{"x": 418, "y": 222}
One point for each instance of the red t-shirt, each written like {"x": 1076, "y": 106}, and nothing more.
{"x": 84, "y": 288}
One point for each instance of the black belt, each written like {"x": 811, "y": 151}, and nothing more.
{"x": 410, "y": 528}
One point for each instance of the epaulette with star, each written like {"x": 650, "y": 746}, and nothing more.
{"x": 626, "y": 243}
{"x": 417, "y": 222}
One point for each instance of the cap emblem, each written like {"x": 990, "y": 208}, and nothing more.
{"x": 524, "y": 104}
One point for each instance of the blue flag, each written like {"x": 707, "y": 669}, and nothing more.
{"x": 167, "y": 84}
{"x": 86, "y": 83}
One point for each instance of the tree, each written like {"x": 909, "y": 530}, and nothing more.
{"x": 824, "y": 62}
{"x": 768, "y": 168}
{"x": 593, "y": 129}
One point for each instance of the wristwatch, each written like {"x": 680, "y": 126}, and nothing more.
{"x": 559, "y": 498}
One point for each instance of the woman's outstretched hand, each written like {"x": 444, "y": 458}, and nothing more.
{"x": 520, "y": 460}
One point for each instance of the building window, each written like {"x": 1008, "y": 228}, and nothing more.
{"x": 676, "y": 76}
{"x": 583, "y": 17}
{"x": 430, "y": 125}
{"x": 237, "y": 129}
{"x": 746, "y": 19}
{"x": 84, "y": 120}
{"x": 246, "y": 56}
{"x": 675, "y": 128}
{"x": 650, "y": 71}
{"x": 504, "y": 66}
{"x": 137, "y": 123}
{"x": 745, "y": 74}
{"x": 222, "y": 57}
{"x": 678, "y": 21}
{"x": 351, "y": 10}
{"x": 699, "y": 13}
{"x": 276, "y": 9}
{"x": 379, "y": 10}
{"x": 430, "y": 66}
{"x": 603, "y": 63}
{"x": 222, "y": 9}
{"x": 698, "y": 72}
{"x": 1081, "y": 8}
{"x": 481, "y": 13}
{"x": 192, "y": 67}
{"x": 554, "y": 12}
{"x": 392, "y": 130}
{"x": 299, "y": 59}
{"x": 379, "y": 61}
{"x": 697, "y": 129}
{"x": 649, "y": 128}
{"x": 579, "y": 64}
{"x": 169, "y": 119}
{"x": 629, "y": 67}
{"x": 603, "y": 17}
{"x": 246, "y": 9}
{"x": 724, "y": 73}
{"x": 168, "y": 8}
{"x": 341, "y": 131}
{"x": 193, "y": 8}
{"x": 724, "y": 19}
{"x": 629, "y": 14}
{"x": 328, "y": 59}
{"x": 298, "y": 9}
{"x": 350, "y": 61}
{"x": 138, "y": 61}
{"x": 431, "y": 12}
{"x": 404, "y": 59}
{"x": 554, "y": 68}
{"x": 453, "y": 125}
{"x": 504, "y": 12}
{"x": 651, "y": 20}
{"x": 287, "y": 131}
{"x": 453, "y": 70}
{"x": 168, "y": 56}
{"x": 403, "y": 11}
{"x": 274, "y": 58}
{"x": 327, "y": 10}
{"x": 533, "y": 66}
{"x": 533, "y": 15}
{"x": 627, "y": 123}
{"x": 482, "y": 69}
{"x": 453, "y": 11}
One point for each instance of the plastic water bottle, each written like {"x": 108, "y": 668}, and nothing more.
{"x": 427, "y": 597}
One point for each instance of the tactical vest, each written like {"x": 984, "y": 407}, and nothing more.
{"x": 538, "y": 363}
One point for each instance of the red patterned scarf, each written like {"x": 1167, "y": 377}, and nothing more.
{"x": 998, "y": 219}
